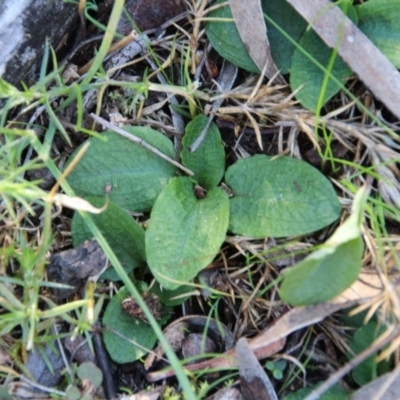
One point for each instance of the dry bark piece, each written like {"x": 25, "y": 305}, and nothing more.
{"x": 149, "y": 14}
{"x": 254, "y": 382}
{"x": 130, "y": 307}
{"x": 73, "y": 267}
{"x": 24, "y": 27}
{"x": 37, "y": 365}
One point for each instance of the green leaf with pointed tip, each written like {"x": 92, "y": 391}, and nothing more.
{"x": 185, "y": 233}
{"x": 119, "y": 349}
{"x": 323, "y": 275}
{"x": 285, "y": 16}
{"x": 226, "y": 40}
{"x": 379, "y": 20}
{"x": 208, "y": 161}
{"x": 327, "y": 272}
{"x": 133, "y": 175}
{"x": 279, "y": 197}
{"x": 122, "y": 232}
{"x": 306, "y": 74}
{"x": 369, "y": 369}
{"x": 335, "y": 392}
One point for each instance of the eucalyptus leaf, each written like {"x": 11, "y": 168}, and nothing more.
{"x": 184, "y": 233}
{"x": 120, "y": 350}
{"x": 279, "y": 197}
{"x": 226, "y": 40}
{"x": 330, "y": 270}
{"x": 379, "y": 20}
{"x": 307, "y": 76}
{"x": 133, "y": 175}
{"x": 122, "y": 232}
{"x": 208, "y": 161}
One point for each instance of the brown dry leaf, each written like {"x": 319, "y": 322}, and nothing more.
{"x": 356, "y": 50}
{"x": 254, "y": 382}
{"x": 366, "y": 288}
{"x": 227, "y": 359}
{"x": 250, "y": 23}
{"x": 272, "y": 340}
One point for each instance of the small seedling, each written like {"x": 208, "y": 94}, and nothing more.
{"x": 90, "y": 378}
{"x": 276, "y": 367}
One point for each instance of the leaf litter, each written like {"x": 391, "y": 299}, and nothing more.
{"x": 246, "y": 270}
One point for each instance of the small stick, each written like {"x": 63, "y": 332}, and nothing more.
{"x": 139, "y": 141}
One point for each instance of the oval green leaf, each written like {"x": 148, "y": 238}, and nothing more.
{"x": 279, "y": 197}
{"x": 379, "y": 20}
{"x": 208, "y": 161}
{"x": 89, "y": 371}
{"x": 226, "y": 40}
{"x": 133, "y": 175}
{"x": 124, "y": 235}
{"x": 120, "y": 350}
{"x": 185, "y": 233}
{"x": 323, "y": 275}
{"x": 329, "y": 271}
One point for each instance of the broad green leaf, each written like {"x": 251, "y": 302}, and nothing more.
{"x": 327, "y": 272}
{"x": 122, "y": 232}
{"x": 286, "y": 17}
{"x": 225, "y": 39}
{"x": 336, "y": 392}
{"x": 306, "y": 74}
{"x": 279, "y": 197}
{"x": 362, "y": 339}
{"x": 133, "y": 175}
{"x": 208, "y": 161}
{"x": 379, "y": 20}
{"x": 119, "y": 349}
{"x": 323, "y": 275}
{"x": 185, "y": 233}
